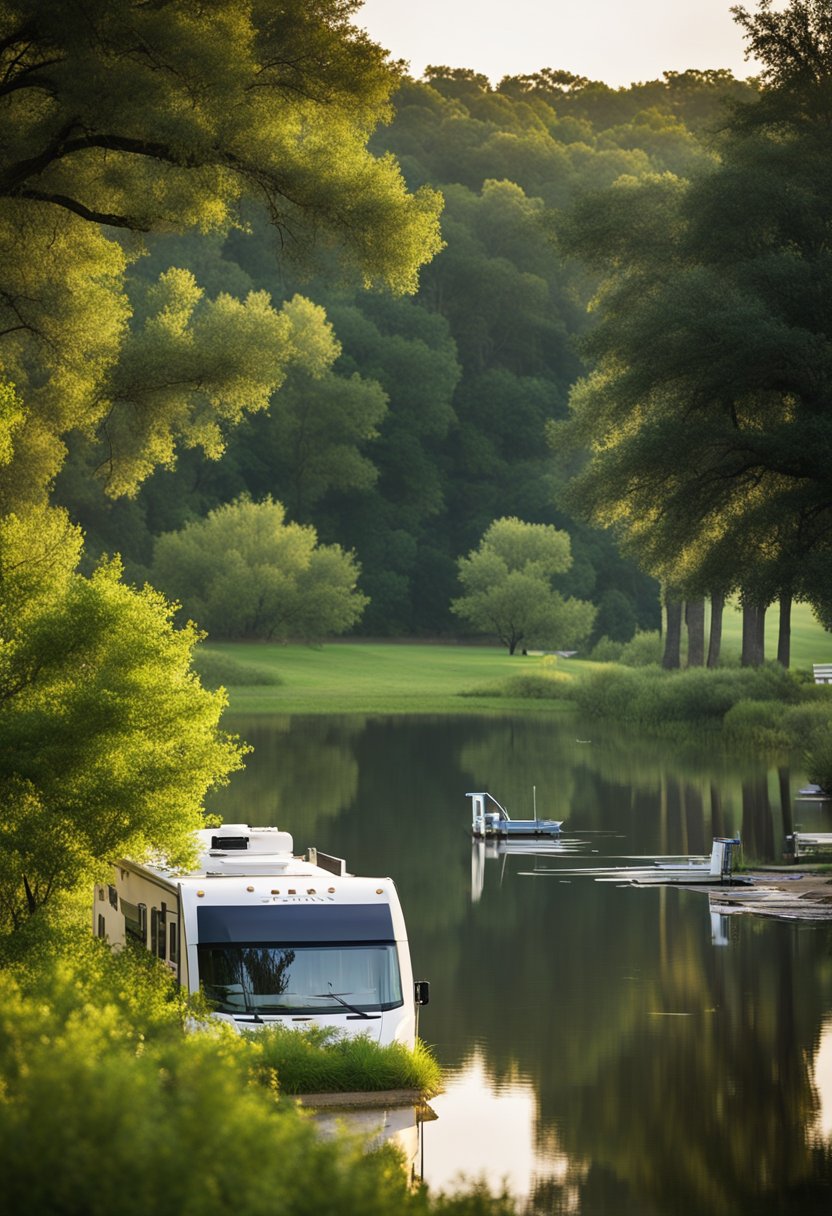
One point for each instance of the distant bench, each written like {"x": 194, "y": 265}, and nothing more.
{"x": 822, "y": 673}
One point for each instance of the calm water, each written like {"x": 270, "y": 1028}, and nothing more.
{"x": 607, "y": 1049}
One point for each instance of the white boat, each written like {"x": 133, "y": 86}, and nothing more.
{"x": 490, "y": 820}
{"x": 270, "y": 937}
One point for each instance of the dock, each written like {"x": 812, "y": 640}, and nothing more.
{"x": 491, "y": 821}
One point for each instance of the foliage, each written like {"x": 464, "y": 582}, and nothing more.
{"x": 550, "y": 686}
{"x": 92, "y": 1053}
{"x": 761, "y": 723}
{"x": 321, "y": 1061}
{"x": 508, "y": 588}
{"x": 606, "y": 650}
{"x": 244, "y": 572}
{"x": 819, "y": 757}
{"x": 103, "y": 127}
{"x": 702, "y": 414}
{"x": 653, "y": 697}
{"x": 473, "y": 368}
{"x": 110, "y": 742}
{"x": 642, "y": 650}
{"x": 616, "y": 618}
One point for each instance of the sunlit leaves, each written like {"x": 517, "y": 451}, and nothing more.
{"x": 109, "y": 741}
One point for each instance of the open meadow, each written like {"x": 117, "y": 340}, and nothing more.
{"x": 424, "y": 678}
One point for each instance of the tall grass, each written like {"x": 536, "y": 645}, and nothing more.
{"x": 318, "y": 1060}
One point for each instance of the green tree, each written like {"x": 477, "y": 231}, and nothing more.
{"x": 706, "y": 412}
{"x": 109, "y": 741}
{"x": 508, "y": 589}
{"x": 244, "y": 572}
{"x": 168, "y": 116}
{"x": 142, "y": 117}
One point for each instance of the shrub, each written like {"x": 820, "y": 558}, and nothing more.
{"x": 758, "y": 722}
{"x": 651, "y": 696}
{"x": 108, "y": 1106}
{"x": 819, "y": 759}
{"x": 642, "y": 651}
{"x": 217, "y": 670}
{"x": 807, "y": 722}
{"x": 555, "y": 685}
{"x": 606, "y": 650}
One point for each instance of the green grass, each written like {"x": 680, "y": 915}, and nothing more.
{"x": 419, "y": 678}
{"x": 811, "y": 643}
{"x": 321, "y": 1061}
{"x": 381, "y": 678}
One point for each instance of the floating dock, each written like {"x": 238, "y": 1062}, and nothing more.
{"x": 491, "y": 821}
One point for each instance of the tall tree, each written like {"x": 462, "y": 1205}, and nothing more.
{"x": 706, "y": 414}
{"x": 145, "y": 116}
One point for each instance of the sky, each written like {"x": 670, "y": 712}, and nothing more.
{"x": 617, "y": 41}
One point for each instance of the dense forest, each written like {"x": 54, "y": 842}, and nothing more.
{"x": 426, "y": 418}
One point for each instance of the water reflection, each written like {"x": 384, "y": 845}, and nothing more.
{"x": 501, "y": 1145}
{"x": 636, "y": 1067}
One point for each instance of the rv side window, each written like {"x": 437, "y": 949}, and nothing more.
{"x": 173, "y": 953}
{"x": 162, "y": 934}
{"x": 135, "y": 921}
{"x": 157, "y": 932}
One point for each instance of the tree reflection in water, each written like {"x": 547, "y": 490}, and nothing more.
{"x": 668, "y": 1075}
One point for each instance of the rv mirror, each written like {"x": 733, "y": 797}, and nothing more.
{"x": 422, "y": 992}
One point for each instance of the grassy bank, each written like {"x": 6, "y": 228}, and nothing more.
{"x": 376, "y": 678}
{"x": 418, "y": 678}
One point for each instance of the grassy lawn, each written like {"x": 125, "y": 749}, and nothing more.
{"x": 416, "y": 678}
{"x": 810, "y": 641}
{"x": 378, "y": 678}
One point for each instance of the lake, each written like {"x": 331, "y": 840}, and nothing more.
{"x": 607, "y": 1049}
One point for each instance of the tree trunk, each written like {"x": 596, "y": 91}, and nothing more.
{"x": 673, "y": 635}
{"x": 784, "y": 634}
{"x": 753, "y": 635}
{"x": 695, "y": 621}
{"x": 715, "y": 641}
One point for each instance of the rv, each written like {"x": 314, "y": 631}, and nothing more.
{"x": 269, "y": 937}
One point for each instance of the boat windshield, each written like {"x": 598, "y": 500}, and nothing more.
{"x": 301, "y": 978}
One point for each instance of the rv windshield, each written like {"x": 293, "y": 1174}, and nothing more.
{"x": 301, "y": 978}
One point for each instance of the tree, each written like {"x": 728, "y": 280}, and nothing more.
{"x": 147, "y": 117}
{"x": 109, "y": 741}
{"x": 508, "y": 587}
{"x": 157, "y": 116}
{"x": 707, "y": 411}
{"x": 244, "y": 572}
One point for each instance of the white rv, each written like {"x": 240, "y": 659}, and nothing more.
{"x": 270, "y": 937}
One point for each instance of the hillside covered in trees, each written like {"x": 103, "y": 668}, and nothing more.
{"x": 413, "y": 422}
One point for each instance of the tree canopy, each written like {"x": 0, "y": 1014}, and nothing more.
{"x": 706, "y": 412}
{"x": 121, "y": 115}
